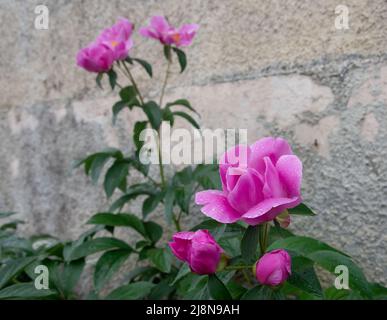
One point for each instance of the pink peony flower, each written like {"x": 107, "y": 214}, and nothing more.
{"x": 95, "y": 58}
{"x": 198, "y": 249}
{"x": 273, "y": 268}
{"x": 258, "y": 181}
{"x": 118, "y": 38}
{"x": 161, "y": 30}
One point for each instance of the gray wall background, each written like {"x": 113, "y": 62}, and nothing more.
{"x": 273, "y": 67}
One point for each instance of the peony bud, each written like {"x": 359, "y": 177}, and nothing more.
{"x": 283, "y": 219}
{"x": 273, "y": 268}
{"x": 198, "y": 249}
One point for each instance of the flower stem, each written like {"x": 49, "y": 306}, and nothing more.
{"x": 131, "y": 78}
{"x": 129, "y": 74}
{"x": 165, "y": 80}
{"x": 247, "y": 277}
{"x": 177, "y": 223}
{"x": 160, "y": 160}
{"x": 237, "y": 267}
{"x": 158, "y": 131}
{"x": 264, "y": 237}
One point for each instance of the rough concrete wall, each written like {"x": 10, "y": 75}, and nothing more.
{"x": 273, "y": 67}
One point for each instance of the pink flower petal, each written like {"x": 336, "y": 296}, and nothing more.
{"x": 273, "y": 187}
{"x": 180, "y": 245}
{"x": 268, "y": 209}
{"x": 246, "y": 193}
{"x": 267, "y": 147}
{"x": 289, "y": 168}
{"x": 236, "y": 157}
{"x": 217, "y": 206}
{"x": 160, "y": 24}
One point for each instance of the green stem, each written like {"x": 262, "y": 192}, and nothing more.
{"x": 160, "y": 160}
{"x": 177, "y": 224}
{"x": 263, "y": 237}
{"x": 165, "y": 80}
{"x": 158, "y": 131}
{"x": 131, "y": 78}
{"x": 247, "y": 277}
{"x": 129, "y": 74}
{"x": 237, "y": 267}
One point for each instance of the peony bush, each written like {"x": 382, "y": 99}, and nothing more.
{"x": 242, "y": 248}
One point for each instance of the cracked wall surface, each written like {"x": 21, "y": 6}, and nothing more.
{"x": 274, "y": 67}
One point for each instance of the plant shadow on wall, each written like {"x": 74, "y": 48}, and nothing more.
{"x": 242, "y": 250}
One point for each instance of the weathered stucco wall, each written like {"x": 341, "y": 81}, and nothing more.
{"x": 273, "y": 67}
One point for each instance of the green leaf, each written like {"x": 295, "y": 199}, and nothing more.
{"x": 304, "y": 276}
{"x": 128, "y": 93}
{"x": 182, "y": 58}
{"x": 161, "y": 258}
{"x": 208, "y": 224}
{"x": 169, "y": 199}
{"x": 11, "y": 225}
{"x": 184, "y": 270}
{"x": 249, "y": 243}
{"x": 138, "y": 128}
{"x": 71, "y": 274}
{"x": 378, "y": 291}
{"x": 129, "y": 60}
{"x": 329, "y": 260}
{"x": 140, "y": 271}
{"x": 85, "y": 236}
{"x": 216, "y": 288}
{"x": 88, "y": 161}
{"x": 132, "y": 193}
{"x": 108, "y": 264}
{"x": 112, "y": 78}
{"x": 302, "y": 210}
{"x": 153, "y": 230}
{"x": 167, "y": 52}
{"x": 187, "y": 117}
{"x": 277, "y": 233}
{"x": 97, "y": 165}
{"x": 12, "y": 268}
{"x": 117, "y": 107}
{"x": 162, "y": 290}
{"x": 25, "y": 291}
{"x": 167, "y": 115}
{"x": 263, "y": 293}
{"x": 114, "y": 176}
{"x": 208, "y": 176}
{"x": 199, "y": 289}
{"x": 184, "y": 176}
{"x": 182, "y": 102}
{"x": 98, "y": 79}
{"x": 334, "y": 294}
{"x": 154, "y": 114}
{"x": 95, "y": 245}
{"x": 119, "y": 220}
{"x": 136, "y": 164}
{"x": 132, "y": 291}
{"x": 150, "y": 204}
{"x": 145, "y": 65}
{"x": 236, "y": 290}
{"x": 302, "y": 245}
{"x": 6, "y": 214}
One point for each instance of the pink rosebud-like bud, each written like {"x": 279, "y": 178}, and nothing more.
{"x": 199, "y": 249}
{"x": 95, "y": 58}
{"x": 273, "y": 268}
{"x": 283, "y": 219}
